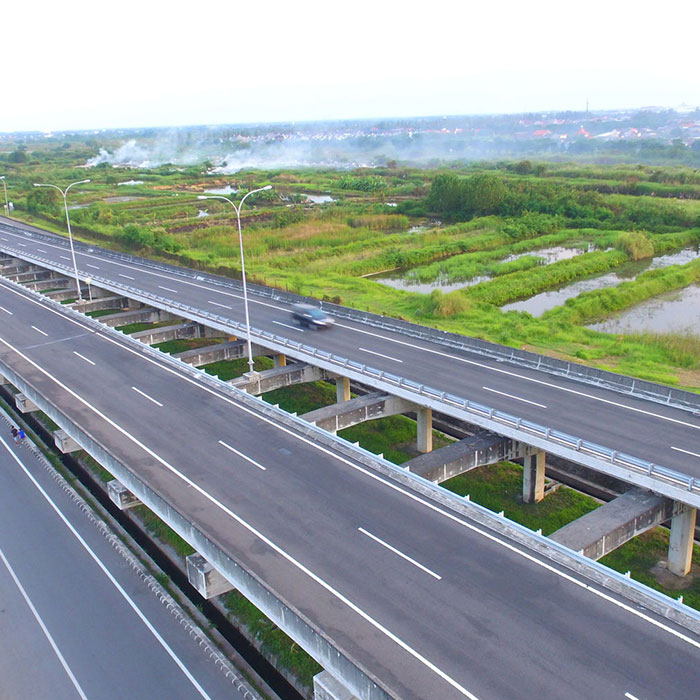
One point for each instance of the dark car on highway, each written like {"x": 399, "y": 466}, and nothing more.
{"x": 308, "y": 316}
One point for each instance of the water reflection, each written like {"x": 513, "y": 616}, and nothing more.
{"x": 552, "y": 298}
{"x": 222, "y": 190}
{"x": 319, "y": 198}
{"x": 672, "y": 312}
{"x": 407, "y": 278}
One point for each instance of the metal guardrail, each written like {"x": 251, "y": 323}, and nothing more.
{"x": 621, "y": 459}
{"x": 637, "y": 592}
{"x": 571, "y": 370}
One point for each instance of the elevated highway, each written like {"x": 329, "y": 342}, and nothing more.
{"x": 399, "y": 590}
{"x": 636, "y": 431}
{"x": 81, "y": 617}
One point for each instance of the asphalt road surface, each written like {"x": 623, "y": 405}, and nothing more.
{"x": 644, "y": 429}
{"x": 76, "y": 620}
{"x": 430, "y": 602}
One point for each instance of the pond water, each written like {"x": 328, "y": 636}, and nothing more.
{"x": 116, "y": 200}
{"x": 319, "y": 198}
{"x": 222, "y": 190}
{"x": 672, "y": 312}
{"x": 405, "y": 279}
{"x": 545, "y": 301}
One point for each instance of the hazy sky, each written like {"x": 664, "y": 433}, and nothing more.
{"x": 84, "y": 65}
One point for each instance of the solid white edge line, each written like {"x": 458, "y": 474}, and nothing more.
{"x": 401, "y": 554}
{"x": 243, "y": 456}
{"x": 688, "y": 452}
{"x": 146, "y": 396}
{"x": 82, "y": 357}
{"x": 376, "y": 477}
{"x": 313, "y": 576}
{"x": 109, "y": 575}
{"x": 38, "y": 330}
{"x": 534, "y": 380}
{"x": 379, "y": 354}
{"x": 44, "y": 629}
{"x": 516, "y": 398}
{"x": 372, "y": 475}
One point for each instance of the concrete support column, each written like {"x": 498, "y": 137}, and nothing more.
{"x": 680, "y": 546}
{"x": 425, "y": 429}
{"x": 205, "y": 578}
{"x": 327, "y": 687}
{"x": 342, "y": 389}
{"x": 121, "y": 496}
{"x": 25, "y": 404}
{"x": 533, "y": 477}
{"x": 65, "y": 442}
{"x": 280, "y": 360}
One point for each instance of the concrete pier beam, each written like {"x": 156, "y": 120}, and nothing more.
{"x": 68, "y": 293}
{"x": 145, "y": 315}
{"x": 121, "y": 496}
{"x": 107, "y": 302}
{"x": 327, "y": 687}
{"x": 602, "y": 530}
{"x": 208, "y": 332}
{"x": 461, "y": 456}
{"x": 16, "y": 268}
{"x": 64, "y": 442}
{"x": 533, "y": 477}
{"x": 342, "y": 389}
{"x": 277, "y": 378}
{"x": 363, "y": 408}
{"x": 680, "y": 546}
{"x": 151, "y": 336}
{"x": 229, "y": 350}
{"x": 424, "y": 441}
{"x": 25, "y": 404}
{"x": 53, "y": 283}
{"x": 205, "y": 578}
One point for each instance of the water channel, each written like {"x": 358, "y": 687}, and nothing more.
{"x": 406, "y": 278}
{"x": 552, "y": 298}
{"x": 672, "y": 312}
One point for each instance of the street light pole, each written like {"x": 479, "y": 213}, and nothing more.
{"x": 7, "y": 204}
{"x": 70, "y": 235}
{"x": 240, "y": 241}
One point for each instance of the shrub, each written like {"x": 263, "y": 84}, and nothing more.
{"x": 636, "y": 244}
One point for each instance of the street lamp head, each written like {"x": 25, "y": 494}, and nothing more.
{"x": 267, "y": 187}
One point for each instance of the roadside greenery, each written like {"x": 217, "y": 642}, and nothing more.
{"x": 481, "y": 224}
